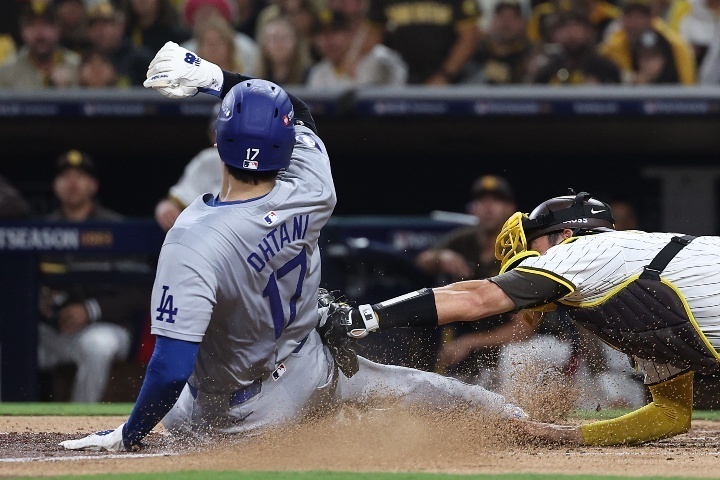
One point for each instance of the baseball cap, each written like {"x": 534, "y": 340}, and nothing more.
{"x": 38, "y": 9}
{"x": 332, "y": 20}
{"x": 76, "y": 159}
{"x": 493, "y": 185}
{"x": 102, "y": 11}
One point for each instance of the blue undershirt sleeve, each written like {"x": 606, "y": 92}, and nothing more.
{"x": 170, "y": 367}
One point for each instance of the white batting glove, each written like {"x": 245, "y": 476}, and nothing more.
{"x": 177, "y": 72}
{"x": 108, "y": 440}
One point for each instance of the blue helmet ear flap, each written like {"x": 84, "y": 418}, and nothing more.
{"x": 255, "y": 129}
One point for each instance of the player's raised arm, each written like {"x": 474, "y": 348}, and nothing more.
{"x": 176, "y": 72}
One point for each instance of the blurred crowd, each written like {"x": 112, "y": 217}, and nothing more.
{"x": 348, "y": 43}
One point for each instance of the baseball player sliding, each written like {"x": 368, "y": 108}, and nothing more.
{"x": 244, "y": 339}
{"x": 653, "y": 296}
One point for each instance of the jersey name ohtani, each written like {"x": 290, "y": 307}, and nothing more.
{"x": 278, "y": 238}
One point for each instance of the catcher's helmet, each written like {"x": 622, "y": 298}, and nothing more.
{"x": 580, "y": 212}
{"x": 254, "y": 128}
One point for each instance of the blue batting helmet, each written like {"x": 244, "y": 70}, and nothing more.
{"x": 254, "y": 128}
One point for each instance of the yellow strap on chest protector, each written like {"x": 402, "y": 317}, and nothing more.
{"x": 668, "y": 415}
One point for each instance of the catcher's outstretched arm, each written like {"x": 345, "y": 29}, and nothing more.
{"x": 668, "y": 415}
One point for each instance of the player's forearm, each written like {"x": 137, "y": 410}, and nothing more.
{"x": 230, "y": 79}
{"x": 171, "y": 364}
{"x": 669, "y": 414}
{"x": 461, "y": 301}
{"x": 470, "y": 300}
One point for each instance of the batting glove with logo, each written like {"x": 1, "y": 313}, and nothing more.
{"x": 333, "y": 333}
{"x": 107, "y": 440}
{"x": 177, "y": 72}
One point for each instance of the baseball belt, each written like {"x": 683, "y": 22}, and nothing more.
{"x": 246, "y": 393}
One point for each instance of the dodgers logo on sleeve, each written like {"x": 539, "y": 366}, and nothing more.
{"x": 166, "y": 307}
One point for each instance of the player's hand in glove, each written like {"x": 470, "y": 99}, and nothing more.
{"x": 358, "y": 322}
{"x": 334, "y": 334}
{"x": 177, "y": 72}
{"x": 107, "y": 440}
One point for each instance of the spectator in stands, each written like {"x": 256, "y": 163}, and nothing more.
{"x": 7, "y": 47}
{"x": 638, "y": 42}
{"x": 152, "y": 23}
{"x": 470, "y": 351}
{"x": 97, "y": 71}
{"x": 89, "y": 324}
{"x": 13, "y": 206}
{"x": 603, "y": 15}
{"x": 696, "y": 21}
{"x": 9, "y": 25}
{"x": 709, "y": 71}
{"x": 340, "y": 66}
{"x": 502, "y": 56}
{"x": 106, "y": 27}
{"x": 41, "y": 62}
{"x": 361, "y": 41}
{"x": 302, "y": 14}
{"x": 435, "y": 38}
{"x": 214, "y": 40}
{"x": 212, "y": 20}
{"x": 203, "y": 174}
{"x": 573, "y": 58}
{"x": 71, "y": 16}
{"x": 284, "y": 57}
{"x": 246, "y": 18}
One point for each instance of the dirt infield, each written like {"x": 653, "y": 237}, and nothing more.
{"x": 352, "y": 439}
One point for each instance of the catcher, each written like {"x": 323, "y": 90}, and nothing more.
{"x": 653, "y": 296}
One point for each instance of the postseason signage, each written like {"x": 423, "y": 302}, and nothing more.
{"x": 132, "y": 236}
{"x": 52, "y": 238}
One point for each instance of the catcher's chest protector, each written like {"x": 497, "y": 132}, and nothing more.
{"x": 647, "y": 319}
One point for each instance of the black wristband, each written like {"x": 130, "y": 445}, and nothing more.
{"x": 231, "y": 79}
{"x": 416, "y": 309}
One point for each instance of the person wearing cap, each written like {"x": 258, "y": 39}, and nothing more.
{"x": 641, "y": 31}
{"x": 334, "y": 41}
{"x": 41, "y": 62}
{"x": 88, "y": 324}
{"x": 72, "y": 20}
{"x": 573, "y": 58}
{"x": 603, "y": 15}
{"x": 502, "y": 56}
{"x": 471, "y": 351}
{"x": 105, "y": 31}
{"x": 202, "y": 174}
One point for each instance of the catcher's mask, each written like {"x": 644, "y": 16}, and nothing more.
{"x": 579, "y": 212}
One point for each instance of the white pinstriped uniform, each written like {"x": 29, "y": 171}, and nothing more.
{"x": 597, "y": 264}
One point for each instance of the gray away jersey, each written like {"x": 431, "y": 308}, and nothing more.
{"x": 241, "y": 278}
